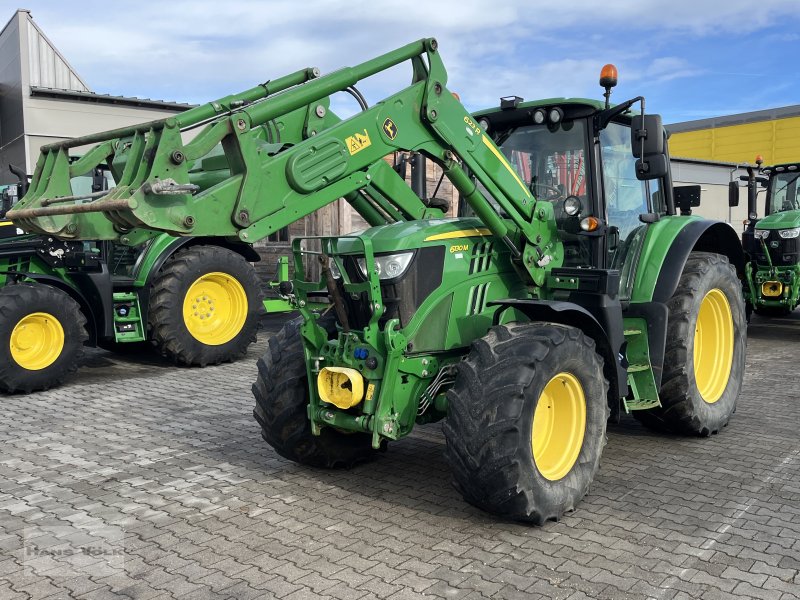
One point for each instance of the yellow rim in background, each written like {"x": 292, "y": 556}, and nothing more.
{"x": 215, "y": 308}
{"x": 559, "y": 425}
{"x": 713, "y": 346}
{"x": 37, "y": 341}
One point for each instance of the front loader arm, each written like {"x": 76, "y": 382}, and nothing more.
{"x": 339, "y": 159}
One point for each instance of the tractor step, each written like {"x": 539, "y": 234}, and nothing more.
{"x": 641, "y": 404}
{"x": 638, "y": 368}
{"x": 128, "y": 326}
{"x": 632, "y": 332}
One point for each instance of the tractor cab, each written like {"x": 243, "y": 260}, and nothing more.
{"x": 568, "y": 154}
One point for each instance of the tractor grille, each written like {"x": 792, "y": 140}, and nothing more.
{"x": 403, "y": 296}
{"x": 781, "y": 252}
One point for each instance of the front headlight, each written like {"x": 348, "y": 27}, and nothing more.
{"x": 789, "y": 234}
{"x": 761, "y": 234}
{"x": 389, "y": 266}
{"x": 337, "y": 274}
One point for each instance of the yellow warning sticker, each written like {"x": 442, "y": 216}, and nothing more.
{"x": 370, "y": 391}
{"x": 357, "y": 142}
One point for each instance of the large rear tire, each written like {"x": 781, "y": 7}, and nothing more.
{"x": 281, "y": 393}
{"x": 526, "y": 421}
{"x": 205, "y": 306}
{"x": 705, "y": 352}
{"x": 42, "y": 332}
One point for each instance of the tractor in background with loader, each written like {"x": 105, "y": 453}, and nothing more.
{"x": 197, "y": 300}
{"x": 772, "y": 243}
{"x": 56, "y": 297}
{"x": 569, "y": 291}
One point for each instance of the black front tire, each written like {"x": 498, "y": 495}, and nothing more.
{"x": 23, "y": 300}
{"x": 167, "y": 324}
{"x": 489, "y": 426}
{"x": 683, "y": 409}
{"x": 281, "y": 393}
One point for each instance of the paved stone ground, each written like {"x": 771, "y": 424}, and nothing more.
{"x": 138, "y": 480}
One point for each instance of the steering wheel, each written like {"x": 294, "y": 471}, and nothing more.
{"x": 551, "y": 192}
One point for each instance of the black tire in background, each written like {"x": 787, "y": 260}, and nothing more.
{"x": 126, "y": 348}
{"x": 281, "y": 393}
{"x": 489, "y": 430}
{"x": 43, "y": 328}
{"x": 772, "y": 311}
{"x": 234, "y": 283}
{"x": 707, "y": 278}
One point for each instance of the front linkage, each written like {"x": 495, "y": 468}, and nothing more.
{"x": 365, "y": 371}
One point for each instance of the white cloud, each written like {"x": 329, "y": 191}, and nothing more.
{"x": 194, "y": 50}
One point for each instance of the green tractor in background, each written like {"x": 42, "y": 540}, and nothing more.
{"x": 772, "y": 243}
{"x": 197, "y": 300}
{"x": 569, "y": 291}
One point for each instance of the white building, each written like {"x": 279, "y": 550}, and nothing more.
{"x": 44, "y": 100}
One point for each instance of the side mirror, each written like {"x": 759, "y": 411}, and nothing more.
{"x": 652, "y": 166}
{"x": 22, "y": 176}
{"x": 686, "y": 197}
{"x": 733, "y": 194}
{"x": 647, "y": 129}
{"x": 647, "y": 144}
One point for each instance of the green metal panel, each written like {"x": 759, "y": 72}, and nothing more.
{"x": 152, "y": 255}
{"x": 658, "y": 241}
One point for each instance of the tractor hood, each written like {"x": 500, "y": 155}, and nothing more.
{"x": 416, "y": 234}
{"x": 783, "y": 220}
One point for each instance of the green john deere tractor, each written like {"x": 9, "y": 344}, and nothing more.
{"x": 772, "y": 243}
{"x": 571, "y": 290}
{"x": 196, "y": 299}
{"x": 56, "y": 297}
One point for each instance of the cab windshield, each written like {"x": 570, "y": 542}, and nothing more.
{"x": 552, "y": 161}
{"x": 784, "y": 193}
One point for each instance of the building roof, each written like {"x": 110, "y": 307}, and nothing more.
{"x": 756, "y": 116}
{"x": 47, "y": 66}
{"x": 58, "y": 94}
{"x": 51, "y": 75}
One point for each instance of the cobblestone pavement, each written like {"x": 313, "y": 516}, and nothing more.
{"x": 145, "y": 481}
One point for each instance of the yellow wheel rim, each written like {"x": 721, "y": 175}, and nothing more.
{"x": 713, "y": 346}
{"x": 215, "y": 308}
{"x": 559, "y": 424}
{"x": 37, "y": 341}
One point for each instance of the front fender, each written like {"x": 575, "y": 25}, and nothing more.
{"x": 605, "y": 328}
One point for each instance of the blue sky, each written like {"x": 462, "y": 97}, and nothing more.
{"x": 690, "y": 59}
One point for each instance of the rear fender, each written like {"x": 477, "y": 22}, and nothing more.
{"x": 667, "y": 247}
{"x": 663, "y": 259}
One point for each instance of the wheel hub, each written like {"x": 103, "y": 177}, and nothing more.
{"x": 713, "y": 346}
{"x": 559, "y": 425}
{"x": 215, "y": 308}
{"x": 37, "y": 340}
